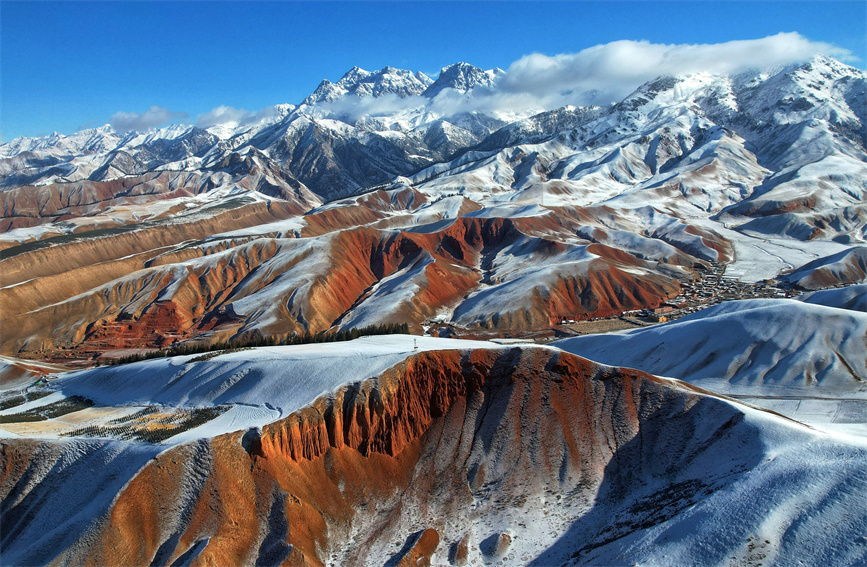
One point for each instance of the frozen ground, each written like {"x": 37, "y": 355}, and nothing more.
{"x": 759, "y": 256}
{"x": 285, "y": 378}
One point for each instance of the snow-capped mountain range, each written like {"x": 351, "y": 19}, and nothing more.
{"x": 329, "y": 122}
{"x": 369, "y": 127}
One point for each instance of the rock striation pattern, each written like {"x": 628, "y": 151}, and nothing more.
{"x": 422, "y": 461}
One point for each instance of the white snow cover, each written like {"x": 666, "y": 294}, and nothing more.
{"x": 777, "y": 348}
{"x": 770, "y": 490}
{"x": 263, "y": 383}
{"x": 801, "y": 503}
{"x": 759, "y": 256}
{"x": 852, "y": 297}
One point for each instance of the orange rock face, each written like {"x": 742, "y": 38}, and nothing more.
{"x": 341, "y": 265}
{"x": 433, "y": 445}
{"x": 140, "y": 290}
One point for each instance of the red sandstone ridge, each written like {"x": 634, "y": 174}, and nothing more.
{"x": 150, "y": 288}
{"x": 444, "y": 443}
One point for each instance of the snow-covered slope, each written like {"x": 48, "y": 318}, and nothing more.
{"x": 757, "y": 347}
{"x": 360, "y": 131}
{"x": 513, "y": 456}
{"x": 694, "y": 146}
{"x": 771, "y": 133}
{"x": 276, "y": 380}
{"x": 852, "y": 297}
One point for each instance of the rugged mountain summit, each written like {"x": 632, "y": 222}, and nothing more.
{"x": 463, "y": 77}
{"x": 361, "y": 83}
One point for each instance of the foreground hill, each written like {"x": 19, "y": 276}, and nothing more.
{"x": 513, "y": 455}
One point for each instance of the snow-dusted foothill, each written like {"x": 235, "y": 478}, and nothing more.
{"x": 284, "y": 378}
{"x": 750, "y": 347}
{"x": 805, "y": 359}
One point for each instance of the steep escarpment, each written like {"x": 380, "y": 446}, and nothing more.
{"x": 514, "y": 444}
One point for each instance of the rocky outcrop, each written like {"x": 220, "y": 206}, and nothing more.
{"x": 445, "y": 442}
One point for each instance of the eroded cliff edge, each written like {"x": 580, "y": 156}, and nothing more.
{"x": 529, "y": 444}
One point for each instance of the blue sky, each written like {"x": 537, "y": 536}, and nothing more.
{"x": 64, "y": 66}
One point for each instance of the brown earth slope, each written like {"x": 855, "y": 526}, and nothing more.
{"x": 144, "y": 290}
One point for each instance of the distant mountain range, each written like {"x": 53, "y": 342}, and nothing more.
{"x": 338, "y": 140}
{"x": 388, "y": 196}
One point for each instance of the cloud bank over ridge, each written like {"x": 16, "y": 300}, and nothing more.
{"x": 151, "y": 118}
{"x": 606, "y": 73}
{"x": 598, "y": 75}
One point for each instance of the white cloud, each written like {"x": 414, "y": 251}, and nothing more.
{"x": 223, "y": 116}
{"x": 352, "y": 107}
{"x": 151, "y": 118}
{"x": 233, "y": 117}
{"x": 607, "y": 73}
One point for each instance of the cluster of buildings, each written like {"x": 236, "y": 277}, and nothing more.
{"x": 710, "y": 288}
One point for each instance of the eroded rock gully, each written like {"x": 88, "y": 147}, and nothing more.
{"x": 143, "y": 290}
{"x": 447, "y": 441}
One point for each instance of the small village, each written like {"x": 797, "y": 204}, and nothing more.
{"x": 708, "y": 288}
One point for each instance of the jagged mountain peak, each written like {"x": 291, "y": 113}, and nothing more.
{"x": 463, "y": 77}
{"x": 353, "y": 76}
{"x": 667, "y": 90}
{"x": 825, "y": 63}
{"x": 361, "y": 83}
